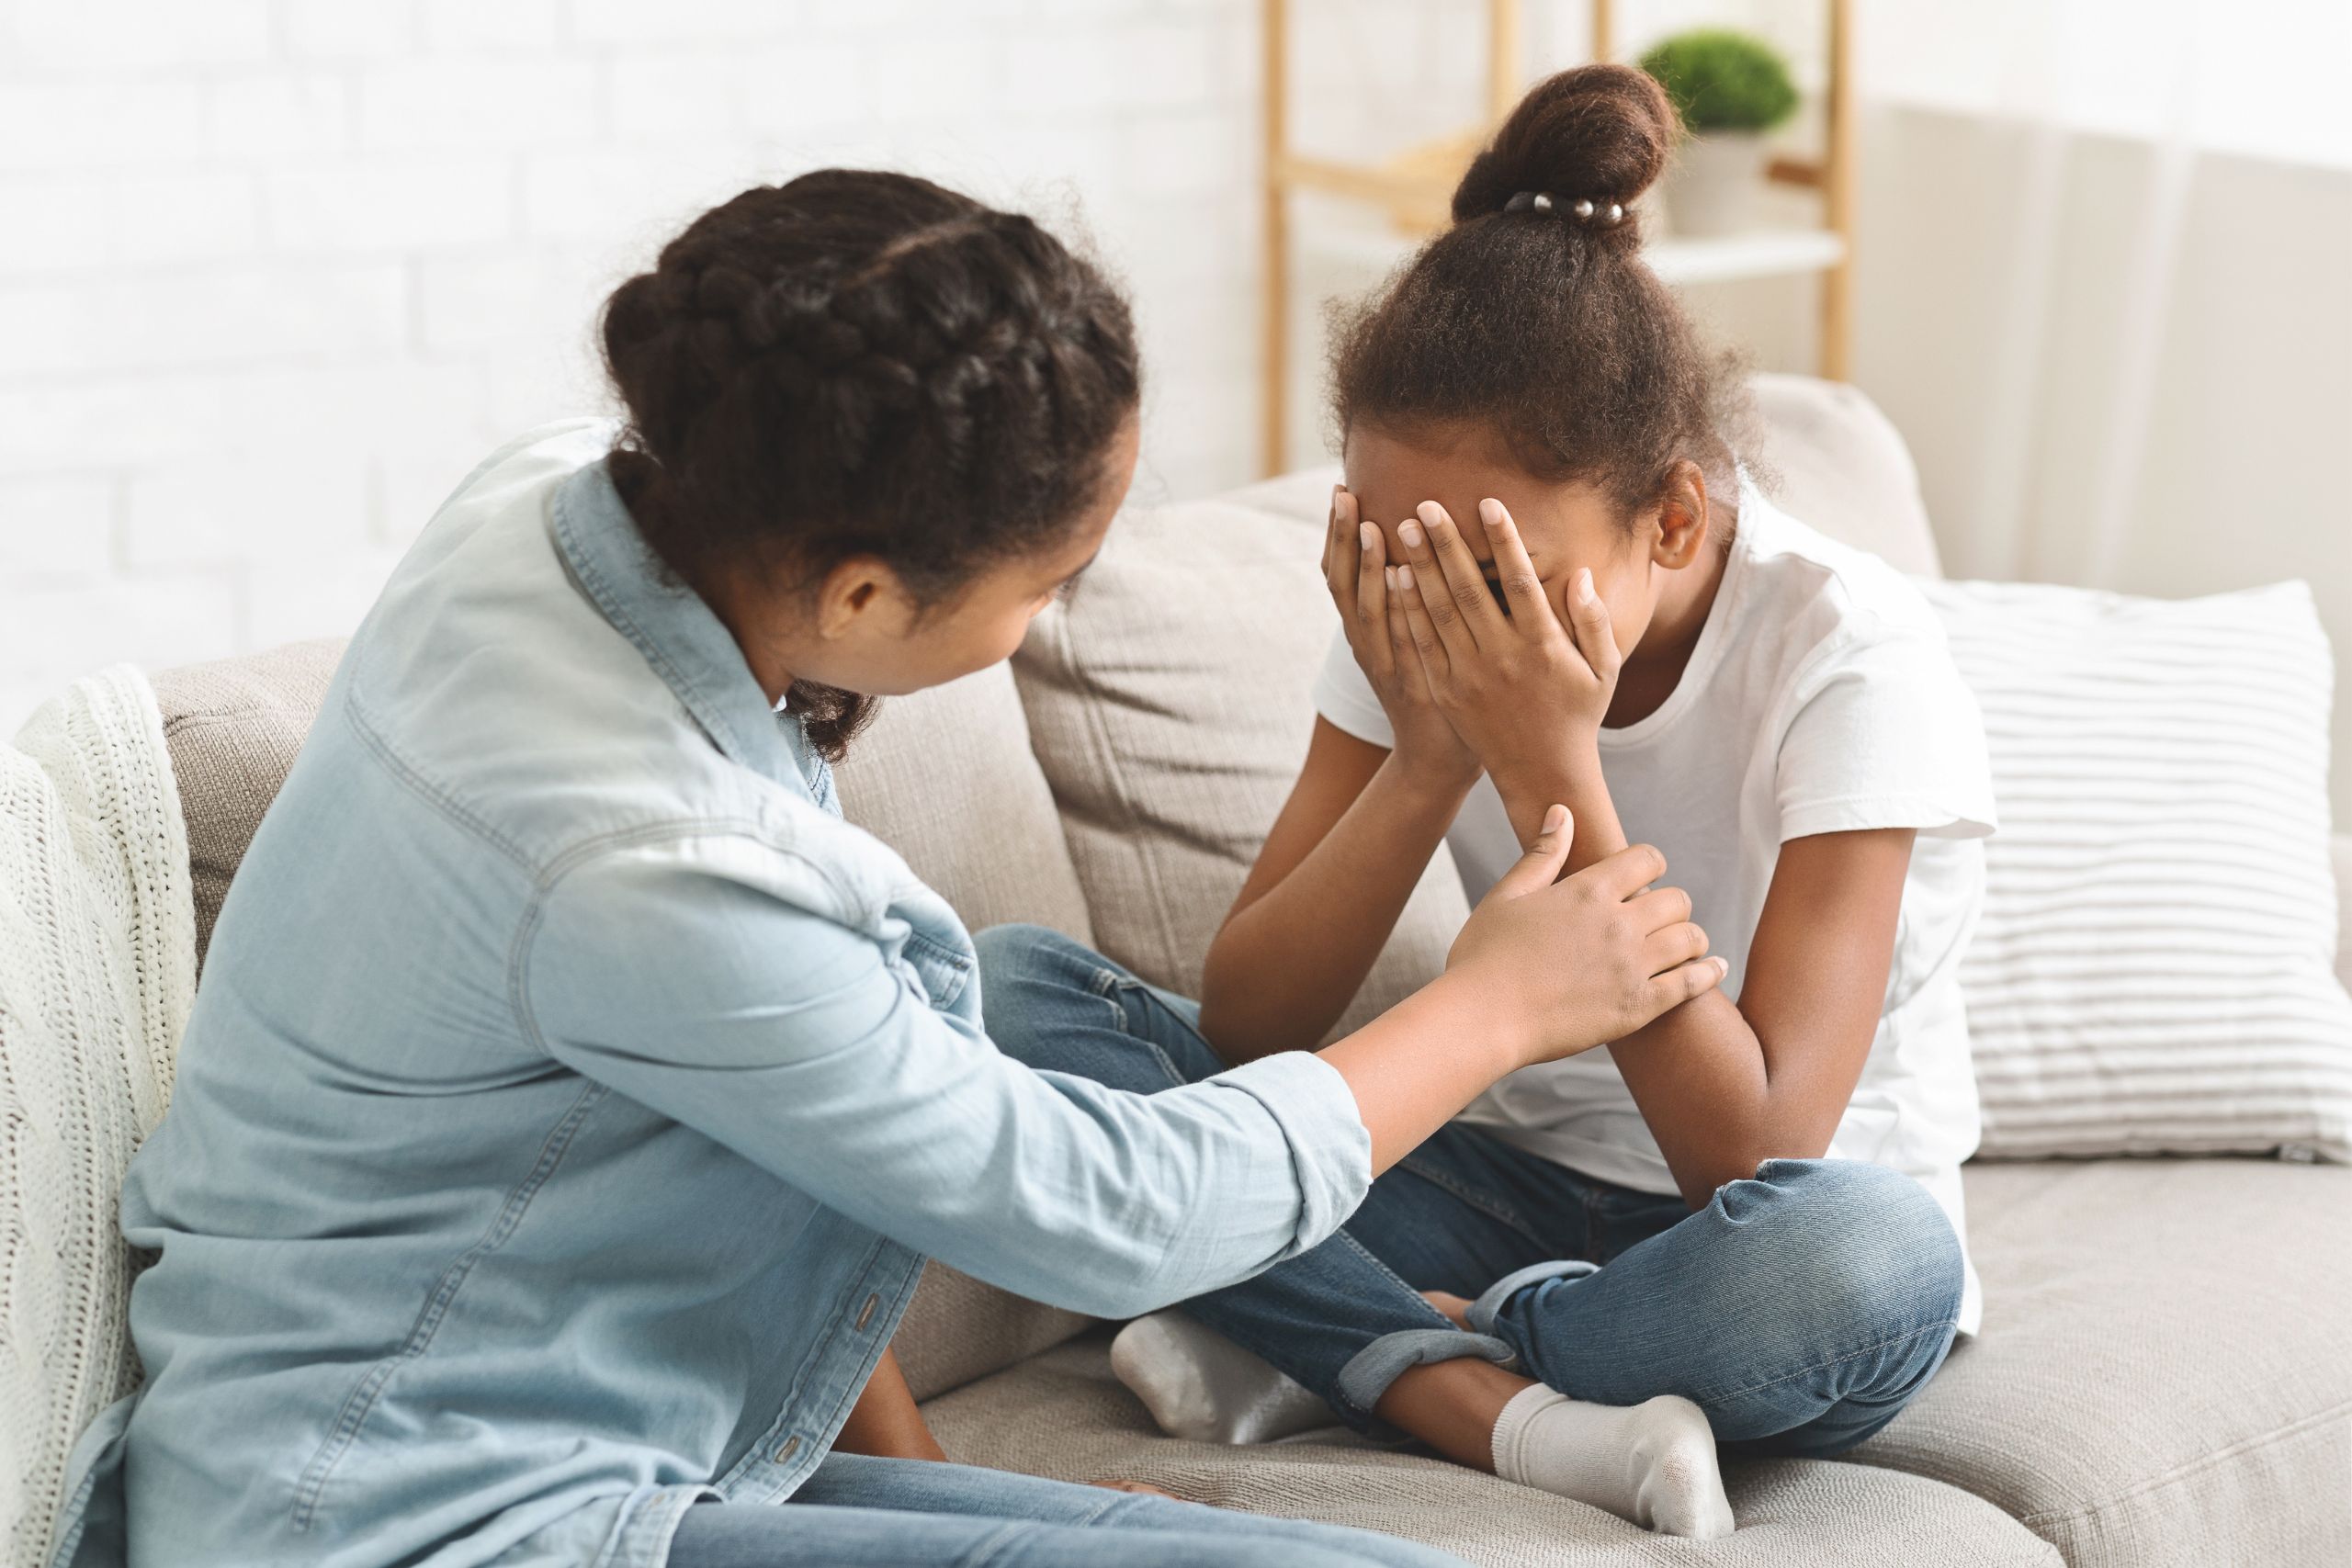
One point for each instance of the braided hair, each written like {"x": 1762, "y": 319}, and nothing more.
{"x": 863, "y": 363}
{"x": 1535, "y": 315}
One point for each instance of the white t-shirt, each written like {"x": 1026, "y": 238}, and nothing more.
{"x": 1820, "y": 698}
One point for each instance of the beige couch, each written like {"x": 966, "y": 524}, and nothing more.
{"x": 2163, "y": 1375}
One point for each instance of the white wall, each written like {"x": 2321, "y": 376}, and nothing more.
{"x": 273, "y": 273}
{"x": 2060, "y": 437}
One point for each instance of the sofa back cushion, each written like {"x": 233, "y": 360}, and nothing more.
{"x": 1833, "y": 460}
{"x": 233, "y": 727}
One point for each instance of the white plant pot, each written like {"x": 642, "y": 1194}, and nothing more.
{"x": 1712, "y": 188}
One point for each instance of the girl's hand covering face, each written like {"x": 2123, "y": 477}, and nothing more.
{"x": 1354, "y": 566}
{"x": 1522, "y": 685}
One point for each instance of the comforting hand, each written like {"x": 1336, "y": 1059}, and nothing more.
{"x": 1354, "y": 560}
{"x": 1592, "y": 958}
{"x": 1522, "y": 690}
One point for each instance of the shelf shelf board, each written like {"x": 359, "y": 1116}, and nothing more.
{"x": 1767, "y": 251}
{"x": 1756, "y": 252}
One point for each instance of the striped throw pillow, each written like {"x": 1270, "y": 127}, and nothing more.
{"x": 2153, "y": 971}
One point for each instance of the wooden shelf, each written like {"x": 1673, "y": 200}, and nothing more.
{"x": 1414, "y": 189}
{"x": 1759, "y": 253}
{"x": 1374, "y": 248}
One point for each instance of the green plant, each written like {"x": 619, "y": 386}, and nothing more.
{"x": 1722, "y": 80}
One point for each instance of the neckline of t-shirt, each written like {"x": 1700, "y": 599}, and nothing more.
{"x": 1696, "y": 673}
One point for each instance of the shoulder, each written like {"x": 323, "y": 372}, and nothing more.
{"x": 1823, "y": 591}
{"x": 1822, "y": 614}
{"x": 491, "y": 687}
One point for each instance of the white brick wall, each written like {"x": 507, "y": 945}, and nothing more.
{"x": 273, "y": 273}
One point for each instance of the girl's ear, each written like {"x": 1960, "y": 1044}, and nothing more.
{"x": 1683, "y": 519}
{"x": 864, "y": 590}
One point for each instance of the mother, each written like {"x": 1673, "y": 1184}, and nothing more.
{"x": 572, "y": 1096}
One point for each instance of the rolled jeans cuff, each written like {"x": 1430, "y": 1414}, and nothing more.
{"x": 1370, "y": 1371}
{"x": 1491, "y": 1301}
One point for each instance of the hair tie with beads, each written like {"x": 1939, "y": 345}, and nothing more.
{"x": 1583, "y": 209}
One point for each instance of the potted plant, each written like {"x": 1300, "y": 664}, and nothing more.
{"x": 1731, "y": 89}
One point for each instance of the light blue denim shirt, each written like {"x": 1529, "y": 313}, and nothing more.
{"x": 573, "y": 1097}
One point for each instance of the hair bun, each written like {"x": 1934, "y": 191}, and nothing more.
{"x": 1598, "y": 132}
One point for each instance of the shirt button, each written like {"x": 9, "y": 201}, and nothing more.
{"x": 866, "y": 1313}
{"x": 791, "y": 1445}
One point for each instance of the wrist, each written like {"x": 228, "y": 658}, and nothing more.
{"x": 1481, "y": 1021}
{"x": 1567, "y": 773}
{"x": 1437, "y": 782}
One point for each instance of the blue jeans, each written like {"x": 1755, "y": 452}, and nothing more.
{"x": 1801, "y": 1309}
{"x": 858, "y": 1512}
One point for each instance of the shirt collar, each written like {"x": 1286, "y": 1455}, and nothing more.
{"x": 679, "y": 635}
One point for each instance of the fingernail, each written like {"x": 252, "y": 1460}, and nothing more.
{"x": 1366, "y": 533}
{"x": 1584, "y": 583}
{"x": 1411, "y": 532}
{"x": 1491, "y": 513}
{"x": 1430, "y": 512}
{"x": 1554, "y": 817}
{"x": 1404, "y": 577}
{"x": 1723, "y": 966}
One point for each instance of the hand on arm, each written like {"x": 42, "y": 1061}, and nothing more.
{"x": 1543, "y": 969}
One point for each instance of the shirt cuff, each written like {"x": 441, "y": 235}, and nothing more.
{"x": 1861, "y": 813}
{"x": 1330, "y": 1150}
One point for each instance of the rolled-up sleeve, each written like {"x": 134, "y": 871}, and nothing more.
{"x": 689, "y": 973}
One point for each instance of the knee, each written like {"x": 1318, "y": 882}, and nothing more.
{"x": 1853, "y": 1240}
{"x": 1024, "y": 965}
{"x": 1016, "y": 955}
{"x": 1029, "y": 977}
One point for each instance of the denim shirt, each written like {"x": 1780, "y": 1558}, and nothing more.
{"x": 573, "y": 1097}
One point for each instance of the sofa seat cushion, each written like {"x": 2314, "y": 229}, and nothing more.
{"x": 1063, "y": 1414}
{"x": 2164, "y": 1376}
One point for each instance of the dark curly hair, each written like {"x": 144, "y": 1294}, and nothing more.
{"x": 1545, "y": 327}
{"x": 862, "y": 363}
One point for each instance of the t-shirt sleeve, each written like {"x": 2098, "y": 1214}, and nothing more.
{"x": 1882, "y": 732}
{"x": 1343, "y": 696}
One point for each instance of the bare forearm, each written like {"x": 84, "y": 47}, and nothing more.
{"x": 1415, "y": 1066}
{"x": 1703, "y": 1082}
{"x": 1574, "y": 781}
{"x": 1286, "y": 964}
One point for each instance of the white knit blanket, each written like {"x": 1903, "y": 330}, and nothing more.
{"x": 98, "y": 966}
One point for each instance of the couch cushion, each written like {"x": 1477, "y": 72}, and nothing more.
{"x": 1836, "y": 462}
{"x": 1063, "y": 1414}
{"x": 2164, "y": 1376}
{"x": 1167, "y": 702}
{"x": 233, "y": 727}
{"x": 946, "y": 778}
{"x": 2341, "y": 848}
